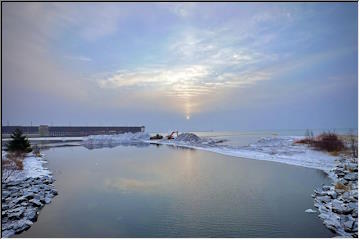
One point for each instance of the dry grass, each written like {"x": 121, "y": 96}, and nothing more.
{"x": 342, "y": 186}
{"x": 14, "y": 160}
{"x": 335, "y": 153}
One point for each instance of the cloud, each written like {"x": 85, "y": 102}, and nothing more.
{"x": 182, "y": 10}
{"x": 125, "y": 184}
{"x": 79, "y": 58}
{"x": 201, "y": 64}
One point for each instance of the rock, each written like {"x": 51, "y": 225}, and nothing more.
{"x": 7, "y": 233}
{"x": 325, "y": 188}
{"x": 14, "y": 183}
{"x": 324, "y": 199}
{"x": 18, "y": 200}
{"x": 348, "y": 226}
{"x": 339, "y": 191}
{"x": 15, "y": 213}
{"x": 4, "y": 206}
{"x": 36, "y": 202}
{"x": 355, "y": 213}
{"x": 53, "y": 192}
{"x": 351, "y": 176}
{"x": 347, "y": 222}
{"x": 339, "y": 207}
{"x": 319, "y": 192}
{"x": 47, "y": 200}
{"x": 310, "y": 211}
{"x": 355, "y": 226}
{"x": 331, "y": 221}
{"x": 31, "y": 214}
{"x": 331, "y": 194}
{"x": 339, "y": 171}
{"x": 343, "y": 181}
{"x": 28, "y": 195}
{"x": 34, "y": 189}
{"x": 42, "y": 199}
{"x": 22, "y": 225}
{"x": 18, "y": 209}
{"x": 353, "y": 167}
{"x": 5, "y": 193}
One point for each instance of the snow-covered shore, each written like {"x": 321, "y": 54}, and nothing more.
{"x": 278, "y": 149}
{"x": 24, "y": 193}
{"x": 338, "y": 203}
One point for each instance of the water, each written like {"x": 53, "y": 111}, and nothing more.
{"x": 163, "y": 191}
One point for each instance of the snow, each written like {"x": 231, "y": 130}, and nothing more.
{"x": 277, "y": 149}
{"x": 310, "y": 210}
{"x": 95, "y": 141}
{"x": 33, "y": 167}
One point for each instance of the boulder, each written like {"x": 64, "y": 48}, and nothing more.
{"x": 53, "y": 192}
{"x": 347, "y": 222}
{"x": 324, "y": 199}
{"x": 31, "y": 214}
{"x": 36, "y": 202}
{"x": 340, "y": 207}
{"x": 18, "y": 200}
{"x": 28, "y": 195}
{"x": 15, "y": 213}
{"x": 47, "y": 200}
{"x": 7, "y": 233}
{"x": 22, "y": 225}
{"x": 351, "y": 176}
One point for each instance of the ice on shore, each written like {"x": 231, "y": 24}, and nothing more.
{"x": 99, "y": 141}
{"x": 277, "y": 149}
{"x": 310, "y": 210}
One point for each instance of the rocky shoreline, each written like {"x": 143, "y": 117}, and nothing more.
{"x": 338, "y": 203}
{"x": 22, "y": 200}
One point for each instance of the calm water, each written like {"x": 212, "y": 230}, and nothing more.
{"x": 162, "y": 191}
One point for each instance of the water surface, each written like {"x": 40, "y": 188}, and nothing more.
{"x": 162, "y": 191}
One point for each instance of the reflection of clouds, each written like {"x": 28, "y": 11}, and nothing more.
{"x": 181, "y": 147}
{"x": 112, "y": 145}
{"x": 125, "y": 184}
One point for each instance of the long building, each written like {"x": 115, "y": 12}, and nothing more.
{"x": 70, "y": 131}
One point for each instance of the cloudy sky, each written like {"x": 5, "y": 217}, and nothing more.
{"x": 204, "y": 66}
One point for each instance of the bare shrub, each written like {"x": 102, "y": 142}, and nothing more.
{"x": 11, "y": 164}
{"x": 329, "y": 142}
{"x": 353, "y": 144}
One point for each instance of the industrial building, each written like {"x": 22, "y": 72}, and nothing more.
{"x": 69, "y": 131}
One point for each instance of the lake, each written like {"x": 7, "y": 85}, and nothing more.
{"x": 163, "y": 191}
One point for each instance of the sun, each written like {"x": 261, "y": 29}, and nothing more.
{"x": 187, "y": 117}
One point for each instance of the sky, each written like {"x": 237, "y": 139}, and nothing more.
{"x": 184, "y": 66}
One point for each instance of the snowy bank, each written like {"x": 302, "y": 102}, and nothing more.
{"x": 24, "y": 193}
{"x": 338, "y": 203}
{"x": 33, "y": 167}
{"x": 277, "y": 149}
{"x": 100, "y": 141}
